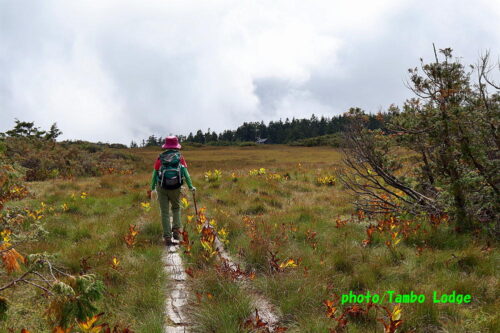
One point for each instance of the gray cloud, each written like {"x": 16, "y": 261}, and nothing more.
{"x": 121, "y": 70}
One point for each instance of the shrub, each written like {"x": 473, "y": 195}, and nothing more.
{"x": 246, "y": 144}
{"x": 191, "y": 144}
{"x": 220, "y": 143}
{"x": 333, "y": 140}
{"x": 438, "y": 155}
{"x": 44, "y": 159}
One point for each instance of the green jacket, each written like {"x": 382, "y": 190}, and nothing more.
{"x": 184, "y": 173}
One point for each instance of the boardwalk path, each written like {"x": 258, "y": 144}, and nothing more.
{"x": 177, "y": 297}
{"x": 176, "y": 304}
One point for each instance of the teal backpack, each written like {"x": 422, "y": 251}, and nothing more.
{"x": 169, "y": 175}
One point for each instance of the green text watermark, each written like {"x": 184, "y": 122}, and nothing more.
{"x": 390, "y": 296}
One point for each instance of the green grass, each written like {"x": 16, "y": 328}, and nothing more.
{"x": 85, "y": 238}
{"x": 285, "y": 211}
{"x": 284, "y": 214}
{"x": 227, "y": 308}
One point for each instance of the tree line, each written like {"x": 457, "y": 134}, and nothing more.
{"x": 277, "y": 132}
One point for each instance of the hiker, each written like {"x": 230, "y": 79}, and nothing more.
{"x": 170, "y": 169}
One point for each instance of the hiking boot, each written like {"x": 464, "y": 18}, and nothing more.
{"x": 168, "y": 241}
{"x": 176, "y": 234}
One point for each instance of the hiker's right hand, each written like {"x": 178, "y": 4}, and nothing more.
{"x": 193, "y": 189}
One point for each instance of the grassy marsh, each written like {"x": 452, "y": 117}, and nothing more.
{"x": 294, "y": 219}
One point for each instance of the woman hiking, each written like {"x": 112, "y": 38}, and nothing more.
{"x": 170, "y": 169}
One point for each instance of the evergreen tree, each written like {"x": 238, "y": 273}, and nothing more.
{"x": 151, "y": 141}
{"x": 199, "y": 137}
{"x": 279, "y": 131}
{"x": 53, "y": 133}
{"x": 26, "y": 129}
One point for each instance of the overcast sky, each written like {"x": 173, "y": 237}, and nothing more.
{"x": 117, "y": 70}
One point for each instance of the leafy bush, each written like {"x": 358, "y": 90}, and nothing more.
{"x": 220, "y": 143}
{"x": 10, "y": 179}
{"x": 191, "y": 144}
{"x": 75, "y": 299}
{"x": 333, "y": 140}
{"x": 44, "y": 159}
{"x": 246, "y": 144}
{"x": 438, "y": 155}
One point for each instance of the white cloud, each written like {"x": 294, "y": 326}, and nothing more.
{"x": 119, "y": 70}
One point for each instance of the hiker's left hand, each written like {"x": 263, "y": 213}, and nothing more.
{"x": 193, "y": 189}
{"x": 149, "y": 194}
{"x": 154, "y": 195}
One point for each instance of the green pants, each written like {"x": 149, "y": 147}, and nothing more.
{"x": 174, "y": 198}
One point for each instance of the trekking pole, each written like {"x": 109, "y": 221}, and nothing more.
{"x": 195, "y": 206}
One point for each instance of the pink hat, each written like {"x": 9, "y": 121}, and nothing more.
{"x": 171, "y": 142}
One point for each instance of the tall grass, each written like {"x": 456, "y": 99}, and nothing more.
{"x": 334, "y": 261}
{"x": 85, "y": 238}
{"x": 263, "y": 216}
